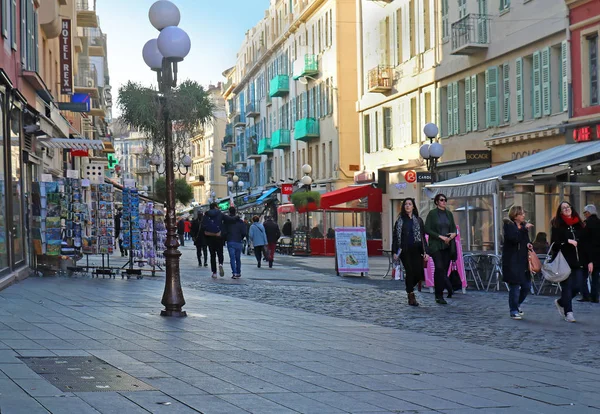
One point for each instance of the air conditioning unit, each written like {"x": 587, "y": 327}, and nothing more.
{"x": 89, "y": 82}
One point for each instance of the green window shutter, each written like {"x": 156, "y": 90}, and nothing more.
{"x": 564, "y": 80}
{"x": 23, "y": 31}
{"x": 450, "y": 102}
{"x": 506, "y": 92}
{"x": 546, "y": 92}
{"x": 474, "y": 104}
{"x": 5, "y": 17}
{"x": 311, "y": 112}
{"x": 13, "y": 23}
{"x": 367, "y": 133}
{"x": 455, "y": 113}
{"x": 304, "y": 105}
{"x": 468, "y": 104}
{"x": 537, "y": 86}
{"x": 318, "y": 100}
{"x": 36, "y": 30}
{"x": 519, "y": 78}
{"x": 439, "y": 102}
{"x": 491, "y": 97}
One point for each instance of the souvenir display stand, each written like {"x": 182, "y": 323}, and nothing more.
{"x": 100, "y": 235}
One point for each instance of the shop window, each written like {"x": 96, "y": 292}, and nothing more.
{"x": 592, "y": 48}
{"x": 3, "y": 217}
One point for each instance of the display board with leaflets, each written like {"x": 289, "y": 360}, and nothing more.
{"x": 351, "y": 250}
{"x": 153, "y": 234}
{"x": 300, "y": 243}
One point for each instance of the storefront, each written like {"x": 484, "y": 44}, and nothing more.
{"x": 261, "y": 203}
{"x": 538, "y": 182}
{"x": 353, "y": 206}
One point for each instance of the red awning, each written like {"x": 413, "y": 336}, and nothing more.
{"x": 345, "y": 195}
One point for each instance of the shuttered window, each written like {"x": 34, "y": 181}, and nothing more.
{"x": 506, "y": 93}
{"x": 491, "y": 97}
{"x": 367, "y": 133}
{"x": 387, "y": 128}
{"x": 5, "y": 17}
{"x": 13, "y": 23}
{"x": 546, "y": 89}
{"x": 468, "y": 104}
{"x": 450, "y": 103}
{"x": 474, "y": 104}
{"x": 455, "y": 111}
{"x": 564, "y": 81}
{"x": 537, "y": 86}
{"x": 519, "y": 89}
{"x": 318, "y": 100}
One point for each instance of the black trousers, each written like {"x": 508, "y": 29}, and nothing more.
{"x": 413, "y": 267}
{"x": 181, "y": 240}
{"x": 258, "y": 252}
{"x": 215, "y": 246}
{"x": 441, "y": 259}
{"x": 199, "y": 250}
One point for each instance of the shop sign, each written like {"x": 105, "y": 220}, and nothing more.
{"x": 522, "y": 154}
{"x": 364, "y": 177}
{"x": 410, "y": 176}
{"x": 478, "y": 156}
{"x": 583, "y": 133}
{"x": 66, "y": 59}
{"x": 424, "y": 177}
{"x": 80, "y": 153}
{"x": 287, "y": 189}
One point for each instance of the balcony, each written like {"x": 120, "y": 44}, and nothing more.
{"x": 307, "y": 66}
{"x": 380, "y": 79}
{"x": 142, "y": 170}
{"x": 196, "y": 180}
{"x": 253, "y": 153}
{"x": 97, "y": 108}
{"x": 470, "y": 35}
{"x": 279, "y": 86}
{"x": 264, "y": 146}
{"x": 239, "y": 121}
{"x": 251, "y": 110}
{"x": 86, "y": 80}
{"x": 96, "y": 42}
{"x": 228, "y": 142}
{"x": 306, "y": 129}
{"x": 228, "y": 168}
{"x": 86, "y": 13}
{"x": 239, "y": 157}
{"x": 281, "y": 139}
{"x": 227, "y": 86}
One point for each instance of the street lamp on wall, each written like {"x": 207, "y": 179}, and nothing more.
{"x": 162, "y": 55}
{"x": 432, "y": 151}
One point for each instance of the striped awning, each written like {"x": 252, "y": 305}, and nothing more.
{"x": 70, "y": 143}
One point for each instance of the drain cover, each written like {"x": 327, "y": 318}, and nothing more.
{"x": 84, "y": 374}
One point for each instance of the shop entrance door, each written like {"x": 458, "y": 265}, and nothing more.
{"x": 590, "y": 195}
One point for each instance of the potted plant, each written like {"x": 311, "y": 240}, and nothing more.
{"x": 306, "y": 200}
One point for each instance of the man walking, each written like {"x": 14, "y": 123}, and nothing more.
{"x": 212, "y": 223}
{"x": 592, "y": 230}
{"x": 236, "y": 232}
{"x": 273, "y": 235}
{"x": 199, "y": 240}
{"x": 287, "y": 228}
{"x": 181, "y": 231}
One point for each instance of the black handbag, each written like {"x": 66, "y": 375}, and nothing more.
{"x": 453, "y": 254}
{"x": 454, "y": 277}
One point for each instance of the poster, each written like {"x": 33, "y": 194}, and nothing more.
{"x": 351, "y": 249}
{"x": 300, "y": 243}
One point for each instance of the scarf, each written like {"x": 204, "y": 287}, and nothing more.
{"x": 570, "y": 221}
{"x": 416, "y": 230}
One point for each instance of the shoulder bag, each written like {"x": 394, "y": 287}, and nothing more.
{"x": 555, "y": 270}
{"x": 535, "y": 266}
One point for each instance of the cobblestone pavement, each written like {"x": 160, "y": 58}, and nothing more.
{"x": 477, "y": 317}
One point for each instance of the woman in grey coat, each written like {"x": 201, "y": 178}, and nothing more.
{"x": 258, "y": 237}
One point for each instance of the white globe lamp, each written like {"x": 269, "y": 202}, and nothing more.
{"x": 424, "y": 151}
{"x": 431, "y": 130}
{"x": 156, "y": 160}
{"x": 152, "y": 55}
{"x": 186, "y": 161}
{"x": 174, "y": 43}
{"x": 436, "y": 150}
{"x": 306, "y": 180}
{"x": 306, "y": 169}
{"x": 240, "y": 184}
{"x": 163, "y": 14}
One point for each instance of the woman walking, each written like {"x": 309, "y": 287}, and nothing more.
{"x": 567, "y": 231}
{"x": 441, "y": 229}
{"x": 408, "y": 242}
{"x": 199, "y": 240}
{"x": 258, "y": 237}
{"x": 515, "y": 259}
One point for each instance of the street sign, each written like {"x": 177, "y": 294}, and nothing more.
{"x": 112, "y": 161}
{"x": 287, "y": 189}
{"x": 424, "y": 177}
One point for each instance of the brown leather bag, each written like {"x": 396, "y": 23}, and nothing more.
{"x": 535, "y": 266}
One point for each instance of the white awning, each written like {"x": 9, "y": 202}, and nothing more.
{"x": 72, "y": 143}
{"x": 486, "y": 182}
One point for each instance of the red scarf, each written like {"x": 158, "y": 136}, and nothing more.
{"x": 570, "y": 221}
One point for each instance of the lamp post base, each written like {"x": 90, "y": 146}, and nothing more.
{"x": 174, "y": 313}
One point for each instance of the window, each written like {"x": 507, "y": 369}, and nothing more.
{"x": 491, "y": 97}
{"x": 452, "y": 108}
{"x": 592, "y": 46}
{"x": 387, "y": 128}
{"x": 536, "y": 99}
{"x": 462, "y": 8}
{"x": 317, "y": 162}
{"x": 445, "y": 22}
{"x": 520, "y": 104}
{"x": 384, "y": 42}
{"x": 505, "y": 93}
{"x": 427, "y": 24}
{"x": 367, "y": 133}
{"x": 412, "y": 28}
{"x": 414, "y": 126}
{"x": 504, "y": 4}
{"x": 399, "y": 39}
{"x": 29, "y": 35}
{"x": 376, "y": 131}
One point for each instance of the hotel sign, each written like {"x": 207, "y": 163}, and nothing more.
{"x": 66, "y": 58}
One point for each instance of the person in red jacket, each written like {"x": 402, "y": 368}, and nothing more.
{"x": 187, "y": 228}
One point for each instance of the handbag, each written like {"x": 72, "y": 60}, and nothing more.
{"x": 555, "y": 270}
{"x": 535, "y": 265}
{"x": 454, "y": 277}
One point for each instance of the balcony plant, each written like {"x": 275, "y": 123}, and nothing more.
{"x": 306, "y": 200}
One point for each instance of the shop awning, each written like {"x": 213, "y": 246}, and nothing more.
{"x": 67, "y": 143}
{"x": 286, "y": 208}
{"x": 486, "y": 182}
{"x": 348, "y": 194}
{"x": 268, "y": 193}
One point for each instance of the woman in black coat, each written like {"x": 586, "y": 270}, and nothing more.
{"x": 515, "y": 260}
{"x": 567, "y": 232}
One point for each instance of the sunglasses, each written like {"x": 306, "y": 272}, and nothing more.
{"x": 442, "y": 199}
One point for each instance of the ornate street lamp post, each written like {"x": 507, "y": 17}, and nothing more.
{"x": 162, "y": 55}
{"x": 306, "y": 183}
{"x": 235, "y": 184}
{"x": 433, "y": 151}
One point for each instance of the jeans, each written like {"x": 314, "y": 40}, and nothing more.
{"x": 235, "y": 257}
{"x": 272, "y": 247}
{"x": 258, "y": 251}
{"x": 516, "y": 295}
{"x": 199, "y": 251}
{"x": 215, "y": 246}
{"x": 441, "y": 259}
{"x": 570, "y": 288}
{"x": 585, "y": 292}
{"x": 181, "y": 240}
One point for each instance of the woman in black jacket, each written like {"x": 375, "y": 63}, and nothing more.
{"x": 515, "y": 261}
{"x": 567, "y": 231}
{"x": 408, "y": 241}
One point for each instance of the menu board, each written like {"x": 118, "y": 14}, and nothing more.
{"x": 300, "y": 244}
{"x": 351, "y": 250}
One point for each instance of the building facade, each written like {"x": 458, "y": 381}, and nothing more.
{"x": 397, "y": 95}
{"x": 291, "y": 97}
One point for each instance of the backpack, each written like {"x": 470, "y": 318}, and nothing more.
{"x": 212, "y": 228}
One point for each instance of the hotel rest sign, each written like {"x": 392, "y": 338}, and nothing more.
{"x": 66, "y": 59}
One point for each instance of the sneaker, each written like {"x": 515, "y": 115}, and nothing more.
{"x": 214, "y": 276}
{"x": 521, "y": 312}
{"x": 561, "y": 310}
{"x": 570, "y": 317}
{"x": 515, "y": 316}
{"x": 441, "y": 301}
{"x": 221, "y": 271}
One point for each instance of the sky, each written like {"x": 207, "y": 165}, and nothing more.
{"x": 216, "y": 28}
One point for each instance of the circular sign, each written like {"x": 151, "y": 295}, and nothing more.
{"x": 410, "y": 176}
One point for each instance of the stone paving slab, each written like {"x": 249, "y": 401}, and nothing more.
{"x": 236, "y": 356}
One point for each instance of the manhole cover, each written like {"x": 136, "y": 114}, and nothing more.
{"x": 84, "y": 374}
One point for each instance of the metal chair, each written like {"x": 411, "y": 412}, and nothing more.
{"x": 496, "y": 273}
{"x": 471, "y": 270}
